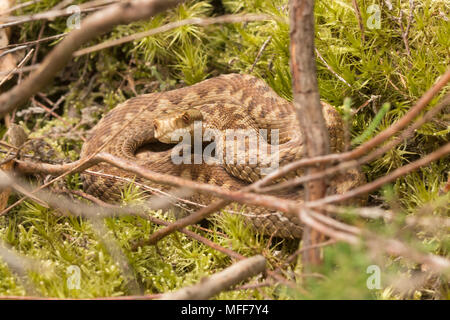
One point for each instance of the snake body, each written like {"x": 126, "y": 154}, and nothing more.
{"x": 231, "y": 101}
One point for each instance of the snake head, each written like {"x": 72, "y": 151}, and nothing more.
{"x": 172, "y": 127}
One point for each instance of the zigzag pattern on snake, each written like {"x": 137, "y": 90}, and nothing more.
{"x": 231, "y": 101}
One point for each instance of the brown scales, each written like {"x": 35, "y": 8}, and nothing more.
{"x": 228, "y": 101}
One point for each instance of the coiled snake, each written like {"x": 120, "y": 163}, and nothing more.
{"x": 228, "y": 102}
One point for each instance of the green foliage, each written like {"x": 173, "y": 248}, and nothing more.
{"x": 345, "y": 268}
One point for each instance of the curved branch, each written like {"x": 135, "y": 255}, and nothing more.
{"x": 220, "y": 281}
{"x": 368, "y": 145}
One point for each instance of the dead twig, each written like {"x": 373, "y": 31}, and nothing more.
{"x": 331, "y": 69}
{"x": 52, "y": 14}
{"x": 261, "y": 50}
{"x": 19, "y": 6}
{"x": 209, "y": 287}
{"x": 21, "y": 63}
{"x": 28, "y": 44}
{"x": 433, "y": 263}
{"x": 126, "y": 165}
{"x": 15, "y": 71}
{"x": 292, "y": 257}
{"x": 364, "y": 148}
{"x": 435, "y": 155}
{"x": 48, "y": 110}
{"x": 177, "y": 201}
{"x": 372, "y": 98}
{"x": 244, "y": 196}
{"x": 20, "y": 189}
{"x": 363, "y": 212}
{"x": 342, "y": 167}
{"x": 4, "y": 53}
{"x": 405, "y": 32}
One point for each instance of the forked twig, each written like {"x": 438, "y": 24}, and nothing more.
{"x": 220, "y": 281}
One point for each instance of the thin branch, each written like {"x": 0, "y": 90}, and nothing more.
{"x": 22, "y": 190}
{"x": 331, "y": 69}
{"x": 364, "y": 212}
{"x": 221, "y": 281}
{"x": 19, "y": 6}
{"x": 149, "y": 189}
{"x": 4, "y": 53}
{"x": 308, "y": 107}
{"x": 103, "y": 210}
{"x": 344, "y": 166}
{"x": 24, "y": 69}
{"x": 370, "y": 144}
{"x": 73, "y": 167}
{"x": 186, "y": 221}
{"x": 436, "y": 264}
{"x": 335, "y": 224}
{"x": 160, "y": 178}
{"x": 261, "y": 50}
{"x": 372, "y": 98}
{"x": 315, "y": 220}
{"x": 405, "y": 32}
{"x": 308, "y": 218}
{"x": 49, "y": 111}
{"x": 52, "y": 14}
{"x": 21, "y": 63}
{"x": 360, "y": 20}
{"x": 439, "y": 153}
{"x": 27, "y": 44}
